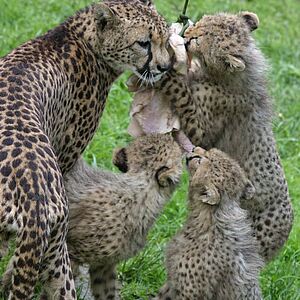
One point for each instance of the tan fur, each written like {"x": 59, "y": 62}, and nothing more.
{"x": 53, "y": 91}
{"x": 224, "y": 103}
{"x": 111, "y": 214}
{"x": 214, "y": 256}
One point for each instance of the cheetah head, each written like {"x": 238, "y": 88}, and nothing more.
{"x": 157, "y": 155}
{"x": 213, "y": 174}
{"x": 133, "y": 36}
{"x": 222, "y": 42}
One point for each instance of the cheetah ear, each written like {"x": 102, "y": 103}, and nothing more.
{"x": 164, "y": 176}
{"x": 235, "y": 64}
{"x": 120, "y": 159}
{"x": 105, "y": 17}
{"x": 249, "y": 191}
{"x": 210, "y": 195}
{"x": 251, "y": 19}
{"x": 148, "y": 3}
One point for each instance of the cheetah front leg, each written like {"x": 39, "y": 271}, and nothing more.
{"x": 175, "y": 89}
{"x": 104, "y": 282}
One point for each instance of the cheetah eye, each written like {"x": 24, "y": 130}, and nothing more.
{"x": 195, "y": 158}
{"x": 144, "y": 44}
{"x": 198, "y": 159}
{"x": 194, "y": 38}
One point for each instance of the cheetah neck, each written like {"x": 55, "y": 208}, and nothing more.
{"x": 84, "y": 26}
{"x": 147, "y": 203}
{"x": 200, "y": 216}
{"x": 226, "y": 218}
{"x": 233, "y": 223}
{"x": 250, "y": 81}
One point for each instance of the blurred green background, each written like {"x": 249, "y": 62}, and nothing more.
{"x": 279, "y": 38}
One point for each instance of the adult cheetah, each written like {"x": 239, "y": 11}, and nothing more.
{"x": 52, "y": 93}
{"x": 224, "y": 103}
{"x": 111, "y": 214}
{"x": 215, "y": 255}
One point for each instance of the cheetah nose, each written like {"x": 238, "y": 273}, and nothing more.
{"x": 164, "y": 68}
{"x": 187, "y": 43}
{"x": 198, "y": 150}
{"x": 188, "y": 158}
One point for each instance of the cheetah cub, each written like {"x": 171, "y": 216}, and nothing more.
{"x": 111, "y": 214}
{"x": 214, "y": 256}
{"x": 224, "y": 104}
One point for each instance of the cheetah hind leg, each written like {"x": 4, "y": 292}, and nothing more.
{"x": 253, "y": 291}
{"x": 57, "y": 276}
{"x": 6, "y": 281}
{"x": 104, "y": 283}
{"x": 4, "y": 244}
{"x": 166, "y": 293}
{"x": 82, "y": 281}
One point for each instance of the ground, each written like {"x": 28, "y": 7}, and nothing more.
{"x": 279, "y": 38}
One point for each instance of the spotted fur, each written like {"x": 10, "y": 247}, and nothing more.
{"x": 214, "y": 256}
{"x": 52, "y": 93}
{"x": 224, "y": 103}
{"x": 111, "y": 214}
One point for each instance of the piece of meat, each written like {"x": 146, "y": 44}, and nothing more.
{"x": 150, "y": 113}
{"x": 183, "y": 141}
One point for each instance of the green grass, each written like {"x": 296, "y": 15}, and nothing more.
{"x": 278, "y": 37}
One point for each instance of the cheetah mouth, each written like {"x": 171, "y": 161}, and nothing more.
{"x": 148, "y": 77}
